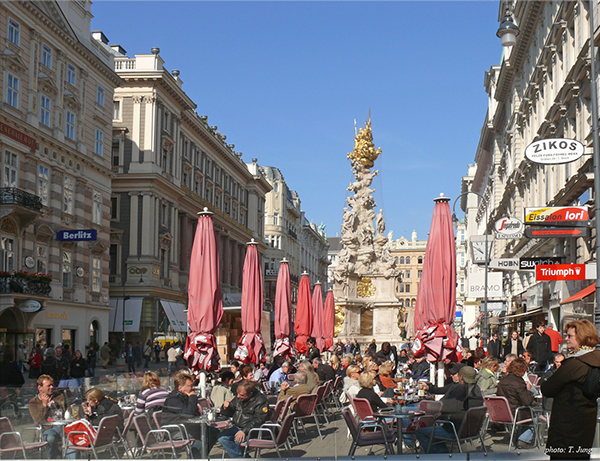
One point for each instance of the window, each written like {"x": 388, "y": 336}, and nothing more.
{"x": 401, "y": 288}
{"x": 71, "y": 74}
{"x": 67, "y": 269}
{"x": 407, "y": 274}
{"x": 408, "y": 287}
{"x": 420, "y": 260}
{"x": 11, "y": 169}
{"x": 113, "y": 259}
{"x": 99, "y": 142}
{"x": 408, "y": 260}
{"x": 45, "y": 110}
{"x": 8, "y": 253}
{"x": 419, "y": 274}
{"x": 14, "y": 32}
{"x": 43, "y": 185}
{"x": 116, "y": 153}
{"x": 12, "y": 91}
{"x": 276, "y": 219}
{"x": 47, "y": 56}
{"x": 68, "y": 187}
{"x": 114, "y": 208}
{"x": 117, "y": 110}
{"x": 100, "y": 97}
{"x": 401, "y": 259}
{"x": 41, "y": 256}
{"x": 70, "y": 126}
{"x": 276, "y": 187}
{"x": 96, "y": 207}
{"x": 96, "y": 274}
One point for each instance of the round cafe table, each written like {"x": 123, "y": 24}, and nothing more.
{"x": 60, "y": 423}
{"x": 218, "y": 423}
{"x": 398, "y": 414}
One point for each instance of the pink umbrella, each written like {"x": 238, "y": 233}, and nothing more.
{"x": 205, "y": 306}
{"x": 304, "y": 315}
{"x": 283, "y": 311}
{"x": 318, "y": 316}
{"x": 251, "y": 348}
{"x": 436, "y": 300}
{"x": 329, "y": 319}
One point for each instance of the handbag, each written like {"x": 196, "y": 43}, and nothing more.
{"x": 80, "y": 433}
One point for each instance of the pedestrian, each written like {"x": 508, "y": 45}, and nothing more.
{"x": 78, "y": 368}
{"x": 513, "y": 345}
{"x": 555, "y": 338}
{"x": 137, "y": 354}
{"x": 172, "y": 359}
{"x": 147, "y": 353}
{"x": 495, "y": 346}
{"x": 573, "y": 417}
{"x": 541, "y": 346}
{"x": 91, "y": 358}
{"x": 35, "y": 362}
{"x": 129, "y": 358}
{"x": 105, "y": 354}
{"x": 157, "y": 348}
{"x": 20, "y": 357}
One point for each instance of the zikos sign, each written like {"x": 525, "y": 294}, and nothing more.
{"x": 554, "y": 151}
{"x": 564, "y": 272}
{"x": 556, "y": 215}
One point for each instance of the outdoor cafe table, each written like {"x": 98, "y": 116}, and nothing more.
{"x": 398, "y": 414}
{"x": 219, "y": 423}
{"x": 61, "y": 424}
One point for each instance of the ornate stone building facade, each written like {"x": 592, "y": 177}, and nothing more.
{"x": 55, "y": 131}
{"x": 169, "y": 165}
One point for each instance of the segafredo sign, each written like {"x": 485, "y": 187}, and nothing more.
{"x": 509, "y": 228}
{"x": 554, "y": 151}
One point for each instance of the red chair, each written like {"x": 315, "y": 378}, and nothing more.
{"x": 363, "y": 409}
{"x": 320, "y": 405}
{"x": 204, "y": 404}
{"x": 305, "y": 408}
{"x": 107, "y": 429}
{"x": 12, "y": 442}
{"x": 499, "y": 412}
{"x": 273, "y": 442}
{"x": 470, "y": 429}
{"x": 361, "y": 438}
{"x": 160, "y": 439}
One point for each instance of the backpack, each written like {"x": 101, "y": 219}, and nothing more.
{"x": 591, "y": 387}
{"x": 80, "y": 433}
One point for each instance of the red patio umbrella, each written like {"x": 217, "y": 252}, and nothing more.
{"x": 304, "y": 315}
{"x": 205, "y": 306}
{"x": 251, "y": 348}
{"x": 318, "y": 317}
{"x": 283, "y": 311}
{"x": 329, "y": 320}
{"x": 436, "y": 300}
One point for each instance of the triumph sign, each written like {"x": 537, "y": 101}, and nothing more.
{"x": 565, "y": 272}
{"x": 554, "y": 151}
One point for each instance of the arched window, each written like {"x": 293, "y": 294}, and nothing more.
{"x": 414, "y": 302}
{"x": 408, "y": 260}
{"x": 401, "y": 259}
{"x": 420, "y": 260}
{"x": 95, "y": 333}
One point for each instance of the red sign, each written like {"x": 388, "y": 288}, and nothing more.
{"x": 9, "y": 131}
{"x": 556, "y": 215}
{"x": 560, "y": 272}
{"x": 557, "y": 233}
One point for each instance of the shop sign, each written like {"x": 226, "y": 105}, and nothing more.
{"x": 9, "y": 131}
{"x": 76, "y": 235}
{"x": 554, "y": 151}
{"x": 476, "y": 286}
{"x": 530, "y": 263}
{"x": 506, "y": 264}
{"x": 565, "y": 272}
{"x": 30, "y": 306}
{"x": 509, "y": 228}
{"x": 558, "y": 215}
{"x": 561, "y": 232}
{"x": 57, "y": 315}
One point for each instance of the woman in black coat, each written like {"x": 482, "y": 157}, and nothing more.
{"x": 10, "y": 373}
{"x": 78, "y": 367}
{"x": 573, "y": 418}
{"x": 97, "y": 406}
{"x": 366, "y": 381}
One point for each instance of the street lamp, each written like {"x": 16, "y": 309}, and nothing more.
{"x": 125, "y": 298}
{"x": 486, "y": 258}
{"x": 508, "y": 30}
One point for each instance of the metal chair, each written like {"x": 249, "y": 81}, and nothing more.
{"x": 107, "y": 429}
{"x": 204, "y": 404}
{"x": 320, "y": 405}
{"x": 305, "y": 408}
{"x": 273, "y": 442}
{"x": 277, "y": 411}
{"x": 499, "y": 412}
{"x": 470, "y": 429}
{"x": 157, "y": 418}
{"x": 367, "y": 439}
{"x": 12, "y": 442}
{"x": 160, "y": 439}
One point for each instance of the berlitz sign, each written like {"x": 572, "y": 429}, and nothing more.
{"x": 77, "y": 235}
{"x": 554, "y": 151}
{"x": 565, "y": 272}
{"x": 509, "y": 228}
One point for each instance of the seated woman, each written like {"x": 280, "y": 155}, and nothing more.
{"x": 351, "y": 384}
{"x": 385, "y": 371}
{"x": 486, "y": 379}
{"x": 152, "y": 396}
{"x": 513, "y": 387}
{"x": 367, "y": 381}
{"x": 97, "y": 406}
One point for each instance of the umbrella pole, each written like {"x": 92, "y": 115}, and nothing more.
{"x": 202, "y": 384}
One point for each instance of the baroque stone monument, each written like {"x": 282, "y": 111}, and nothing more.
{"x": 366, "y": 279}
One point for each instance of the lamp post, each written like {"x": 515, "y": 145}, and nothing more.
{"x": 486, "y": 259}
{"x": 125, "y": 298}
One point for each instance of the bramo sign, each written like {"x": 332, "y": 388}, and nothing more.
{"x": 554, "y": 151}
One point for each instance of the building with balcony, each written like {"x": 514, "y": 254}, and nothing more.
{"x": 169, "y": 164}
{"x": 55, "y": 131}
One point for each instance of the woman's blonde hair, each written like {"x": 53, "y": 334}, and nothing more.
{"x": 489, "y": 362}
{"x": 352, "y": 369}
{"x": 366, "y": 380}
{"x": 385, "y": 368}
{"x": 334, "y": 361}
{"x": 151, "y": 380}
{"x": 95, "y": 394}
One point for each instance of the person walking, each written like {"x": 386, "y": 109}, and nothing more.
{"x": 513, "y": 345}
{"x": 78, "y": 368}
{"x": 157, "y": 348}
{"x": 556, "y": 338}
{"x": 105, "y": 354}
{"x": 495, "y": 346}
{"x": 129, "y": 358}
{"x": 35, "y": 362}
{"x": 91, "y": 359}
{"x": 147, "y": 353}
{"x": 541, "y": 346}
{"x": 20, "y": 357}
{"x": 172, "y": 359}
{"x": 573, "y": 417}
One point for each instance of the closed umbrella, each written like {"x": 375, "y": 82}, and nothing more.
{"x": 318, "y": 316}
{"x": 304, "y": 315}
{"x": 251, "y": 348}
{"x": 205, "y": 302}
{"x": 329, "y": 320}
{"x": 436, "y": 299}
{"x": 283, "y": 311}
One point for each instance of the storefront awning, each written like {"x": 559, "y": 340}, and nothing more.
{"x": 232, "y": 302}
{"x": 477, "y": 320}
{"x": 176, "y": 315}
{"x": 530, "y": 313}
{"x": 582, "y": 294}
{"x": 133, "y": 314}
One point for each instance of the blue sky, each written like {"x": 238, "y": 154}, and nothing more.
{"x": 284, "y": 81}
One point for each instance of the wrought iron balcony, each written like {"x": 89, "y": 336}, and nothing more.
{"x": 15, "y": 196}
{"x": 31, "y": 285}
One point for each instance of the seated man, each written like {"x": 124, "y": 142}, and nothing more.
{"x": 181, "y": 405}
{"x": 299, "y": 389}
{"x": 280, "y": 375}
{"x": 248, "y": 410}
{"x": 324, "y": 371}
{"x": 47, "y": 405}
{"x": 222, "y": 390}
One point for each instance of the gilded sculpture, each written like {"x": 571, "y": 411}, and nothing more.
{"x": 365, "y": 288}
{"x": 364, "y": 152}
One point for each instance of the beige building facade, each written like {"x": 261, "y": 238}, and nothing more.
{"x": 55, "y": 136}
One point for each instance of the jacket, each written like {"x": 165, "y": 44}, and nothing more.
{"x": 541, "y": 347}
{"x": 556, "y": 339}
{"x": 178, "y": 407}
{"x": 106, "y": 407}
{"x": 294, "y": 392}
{"x": 508, "y": 347}
{"x": 248, "y": 414}
{"x": 573, "y": 418}
{"x": 78, "y": 367}
{"x": 487, "y": 382}
{"x": 495, "y": 348}
{"x": 219, "y": 394}
{"x": 325, "y": 372}
{"x": 52, "y": 367}
{"x": 39, "y": 413}
{"x": 372, "y": 397}
{"x": 515, "y": 390}
{"x": 313, "y": 353}
{"x": 392, "y": 356}
{"x": 457, "y": 399}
